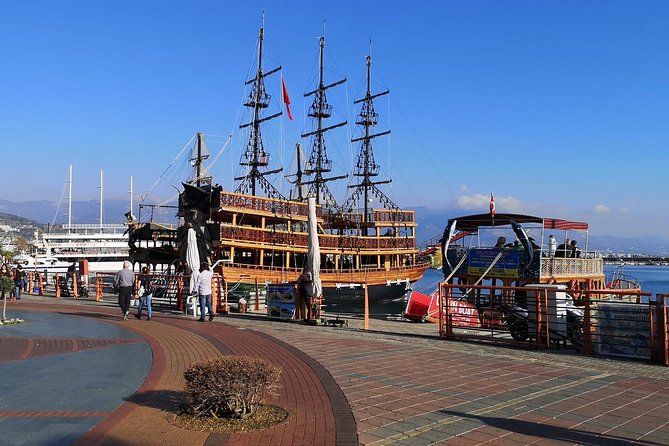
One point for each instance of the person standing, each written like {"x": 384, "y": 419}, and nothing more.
{"x": 124, "y": 282}
{"x": 552, "y": 245}
{"x": 19, "y": 281}
{"x": 4, "y": 271}
{"x": 72, "y": 274}
{"x": 575, "y": 251}
{"x": 147, "y": 294}
{"x": 203, "y": 286}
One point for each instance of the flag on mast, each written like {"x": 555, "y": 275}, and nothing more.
{"x": 286, "y": 99}
{"x": 492, "y": 208}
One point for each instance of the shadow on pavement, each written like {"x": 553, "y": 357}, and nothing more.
{"x": 551, "y": 432}
{"x": 165, "y": 400}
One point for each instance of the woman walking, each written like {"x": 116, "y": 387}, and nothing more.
{"x": 145, "y": 294}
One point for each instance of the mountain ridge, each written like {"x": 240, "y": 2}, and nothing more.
{"x": 431, "y": 223}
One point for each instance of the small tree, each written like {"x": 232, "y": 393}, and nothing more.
{"x": 6, "y": 286}
{"x": 230, "y": 386}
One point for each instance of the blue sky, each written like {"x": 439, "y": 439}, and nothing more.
{"x": 558, "y": 107}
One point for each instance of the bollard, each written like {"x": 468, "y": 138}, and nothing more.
{"x": 39, "y": 281}
{"x": 75, "y": 292}
{"x": 256, "y": 306}
{"x": 366, "y": 324}
{"x": 98, "y": 288}
{"x": 30, "y": 283}
{"x": 57, "y": 287}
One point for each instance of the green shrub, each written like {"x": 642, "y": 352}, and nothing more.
{"x": 230, "y": 386}
{"x": 6, "y": 284}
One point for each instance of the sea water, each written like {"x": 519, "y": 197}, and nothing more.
{"x": 653, "y": 279}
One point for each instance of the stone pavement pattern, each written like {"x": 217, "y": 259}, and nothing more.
{"x": 392, "y": 389}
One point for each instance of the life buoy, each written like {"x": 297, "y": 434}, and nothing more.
{"x": 574, "y": 286}
{"x": 613, "y": 284}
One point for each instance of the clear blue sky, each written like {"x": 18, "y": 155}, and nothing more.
{"x": 561, "y": 108}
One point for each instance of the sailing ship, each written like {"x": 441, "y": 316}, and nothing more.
{"x": 104, "y": 245}
{"x": 258, "y": 236}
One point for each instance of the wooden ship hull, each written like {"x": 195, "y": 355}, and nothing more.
{"x": 263, "y": 240}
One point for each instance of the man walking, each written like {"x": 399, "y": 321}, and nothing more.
{"x": 203, "y": 286}
{"x": 124, "y": 283}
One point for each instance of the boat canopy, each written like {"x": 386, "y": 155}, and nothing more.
{"x": 473, "y": 222}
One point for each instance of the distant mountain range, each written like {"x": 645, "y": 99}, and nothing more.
{"x": 47, "y": 212}
{"x": 431, "y": 223}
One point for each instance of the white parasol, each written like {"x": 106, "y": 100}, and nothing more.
{"x": 192, "y": 259}
{"x": 315, "y": 288}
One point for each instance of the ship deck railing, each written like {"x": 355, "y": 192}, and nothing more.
{"x": 289, "y": 240}
{"x": 571, "y": 267}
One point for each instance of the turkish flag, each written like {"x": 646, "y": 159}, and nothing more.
{"x": 492, "y": 205}
{"x": 286, "y": 99}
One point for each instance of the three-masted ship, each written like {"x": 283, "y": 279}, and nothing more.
{"x": 259, "y": 236}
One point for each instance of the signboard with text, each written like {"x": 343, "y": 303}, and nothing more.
{"x": 622, "y": 329}
{"x": 481, "y": 259}
{"x": 281, "y": 301}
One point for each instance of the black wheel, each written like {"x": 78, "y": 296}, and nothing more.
{"x": 575, "y": 331}
{"x": 519, "y": 330}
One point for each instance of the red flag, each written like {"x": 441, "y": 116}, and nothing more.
{"x": 492, "y": 205}
{"x": 286, "y": 99}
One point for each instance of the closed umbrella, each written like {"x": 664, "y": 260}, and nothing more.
{"x": 315, "y": 288}
{"x": 192, "y": 259}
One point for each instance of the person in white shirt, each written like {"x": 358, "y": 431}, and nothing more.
{"x": 552, "y": 245}
{"x": 203, "y": 286}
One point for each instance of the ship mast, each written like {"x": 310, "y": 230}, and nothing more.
{"x": 200, "y": 154}
{"x": 318, "y": 162}
{"x": 101, "y": 199}
{"x": 298, "y": 174}
{"x": 69, "y": 201}
{"x": 255, "y": 155}
{"x": 365, "y": 167}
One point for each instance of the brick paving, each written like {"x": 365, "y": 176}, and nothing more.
{"x": 346, "y": 386}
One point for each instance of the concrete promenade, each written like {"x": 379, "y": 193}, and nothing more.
{"x": 77, "y": 373}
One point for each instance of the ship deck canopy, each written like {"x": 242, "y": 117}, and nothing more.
{"x": 471, "y": 223}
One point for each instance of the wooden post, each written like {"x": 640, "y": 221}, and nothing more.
{"x": 366, "y": 324}
{"x": 665, "y": 336}
{"x": 587, "y": 335}
{"x": 216, "y": 289}
{"x": 57, "y": 287}
{"x": 256, "y": 306}
{"x": 226, "y": 309}
{"x": 180, "y": 293}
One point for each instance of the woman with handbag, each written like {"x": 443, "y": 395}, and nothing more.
{"x": 145, "y": 293}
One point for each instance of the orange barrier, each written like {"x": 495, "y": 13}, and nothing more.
{"x": 98, "y": 288}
